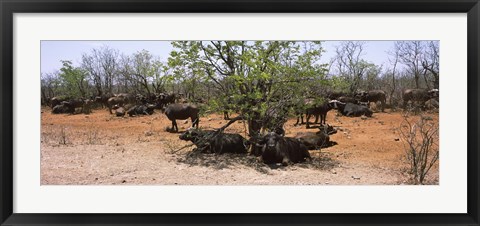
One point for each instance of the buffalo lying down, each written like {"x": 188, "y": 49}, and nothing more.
{"x": 69, "y": 106}
{"x": 141, "y": 110}
{"x": 208, "y": 141}
{"x": 354, "y": 110}
{"x": 57, "y": 101}
{"x": 119, "y": 111}
{"x": 61, "y": 109}
{"x": 320, "y": 139}
{"x": 285, "y": 150}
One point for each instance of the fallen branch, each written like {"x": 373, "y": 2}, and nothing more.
{"x": 186, "y": 146}
{"x": 229, "y": 123}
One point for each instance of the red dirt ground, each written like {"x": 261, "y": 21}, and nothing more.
{"x": 100, "y": 149}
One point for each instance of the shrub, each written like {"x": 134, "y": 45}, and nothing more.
{"x": 420, "y": 139}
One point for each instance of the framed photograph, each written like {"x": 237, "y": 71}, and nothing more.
{"x": 239, "y": 113}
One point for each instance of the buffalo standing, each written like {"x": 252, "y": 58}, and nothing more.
{"x": 418, "y": 96}
{"x": 182, "y": 111}
{"x": 373, "y": 96}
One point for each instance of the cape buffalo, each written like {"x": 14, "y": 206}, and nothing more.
{"x": 114, "y": 101}
{"x": 60, "y": 109}
{"x": 347, "y": 99}
{"x": 418, "y": 96}
{"x": 78, "y": 103}
{"x": 301, "y": 109}
{"x": 332, "y": 95}
{"x": 119, "y": 111}
{"x": 256, "y": 145}
{"x": 217, "y": 142}
{"x": 285, "y": 150}
{"x": 354, "y": 110}
{"x": 127, "y": 98}
{"x": 434, "y": 94}
{"x": 87, "y": 106}
{"x": 432, "y": 104}
{"x": 373, "y": 96}
{"x": 318, "y": 110}
{"x": 163, "y": 99}
{"x": 317, "y": 140}
{"x": 57, "y": 101}
{"x": 182, "y": 111}
{"x": 103, "y": 99}
{"x": 141, "y": 110}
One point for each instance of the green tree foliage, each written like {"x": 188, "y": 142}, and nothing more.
{"x": 187, "y": 68}
{"x": 253, "y": 77}
{"x": 244, "y": 76}
{"x": 73, "y": 80}
{"x": 372, "y": 77}
{"x": 142, "y": 69}
{"x": 161, "y": 76}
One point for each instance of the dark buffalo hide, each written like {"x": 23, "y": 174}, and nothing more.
{"x": 127, "y": 98}
{"x": 208, "y": 141}
{"x": 323, "y": 109}
{"x": 317, "y": 110}
{"x": 103, "y": 99}
{"x": 182, "y": 111}
{"x": 418, "y": 96}
{"x": 285, "y": 150}
{"x": 320, "y": 139}
{"x": 332, "y": 95}
{"x": 164, "y": 99}
{"x": 120, "y": 111}
{"x": 373, "y": 96}
{"x": 256, "y": 145}
{"x": 60, "y": 109}
{"x": 140, "y": 110}
{"x": 112, "y": 101}
{"x": 432, "y": 104}
{"x": 346, "y": 99}
{"x": 70, "y": 105}
{"x": 57, "y": 101}
{"x": 434, "y": 94}
{"x": 355, "y": 110}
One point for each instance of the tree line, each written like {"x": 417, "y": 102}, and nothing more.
{"x": 250, "y": 77}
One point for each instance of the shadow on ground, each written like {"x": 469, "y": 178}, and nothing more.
{"x": 227, "y": 161}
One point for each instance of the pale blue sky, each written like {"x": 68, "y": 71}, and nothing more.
{"x": 52, "y": 52}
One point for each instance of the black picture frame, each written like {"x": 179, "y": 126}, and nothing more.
{"x": 9, "y": 7}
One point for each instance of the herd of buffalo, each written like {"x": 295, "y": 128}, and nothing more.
{"x": 270, "y": 147}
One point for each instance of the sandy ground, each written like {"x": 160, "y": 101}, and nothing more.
{"x": 100, "y": 149}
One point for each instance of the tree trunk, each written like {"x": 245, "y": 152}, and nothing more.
{"x": 425, "y": 78}
{"x": 254, "y": 124}
{"x": 417, "y": 77}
